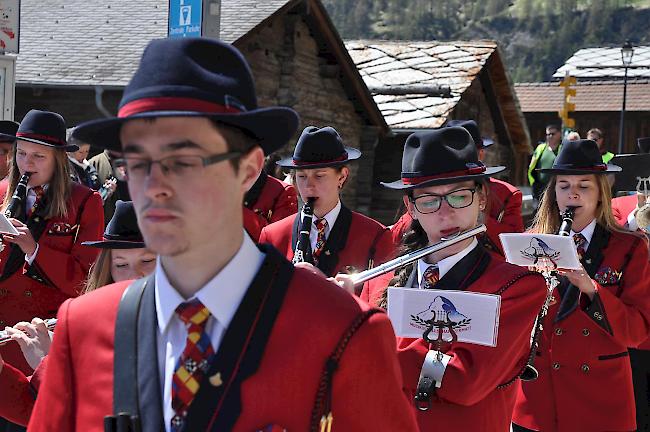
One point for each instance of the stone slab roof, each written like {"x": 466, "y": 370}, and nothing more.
{"x": 592, "y": 64}
{"x": 590, "y": 96}
{"x": 99, "y": 42}
{"x": 394, "y": 64}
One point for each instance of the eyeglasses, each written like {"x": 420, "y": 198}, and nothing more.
{"x": 137, "y": 168}
{"x": 430, "y": 203}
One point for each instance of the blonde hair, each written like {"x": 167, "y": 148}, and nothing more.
{"x": 100, "y": 272}
{"x": 59, "y": 186}
{"x": 547, "y": 218}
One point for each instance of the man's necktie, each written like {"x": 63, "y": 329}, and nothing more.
{"x": 581, "y": 244}
{"x": 39, "y": 192}
{"x": 430, "y": 277}
{"x": 321, "y": 225}
{"x": 193, "y": 362}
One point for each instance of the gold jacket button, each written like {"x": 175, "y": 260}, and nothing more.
{"x": 585, "y": 368}
{"x": 598, "y": 316}
{"x": 585, "y": 332}
{"x": 2, "y": 324}
{"x": 558, "y": 331}
{"x": 4, "y": 292}
{"x": 556, "y": 365}
{"x": 28, "y": 293}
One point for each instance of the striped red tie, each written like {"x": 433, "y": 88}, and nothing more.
{"x": 430, "y": 277}
{"x": 321, "y": 225}
{"x": 39, "y": 192}
{"x": 581, "y": 244}
{"x": 193, "y": 362}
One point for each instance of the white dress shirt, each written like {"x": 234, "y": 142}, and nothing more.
{"x": 330, "y": 217}
{"x": 221, "y": 295}
{"x": 587, "y": 232}
{"x": 445, "y": 264}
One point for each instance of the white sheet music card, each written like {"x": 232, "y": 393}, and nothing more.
{"x": 475, "y": 315}
{"x": 528, "y": 249}
{"x": 5, "y": 226}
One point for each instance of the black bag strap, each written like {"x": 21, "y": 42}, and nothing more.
{"x": 126, "y": 417}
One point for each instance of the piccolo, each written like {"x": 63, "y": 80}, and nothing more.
{"x": 400, "y": 261}
{"x": 5, "y": 338}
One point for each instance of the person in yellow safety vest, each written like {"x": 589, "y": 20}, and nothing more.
{"x": 543, "y": 157}
{"x": 597, "y": 135}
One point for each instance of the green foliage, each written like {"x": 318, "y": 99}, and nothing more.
{"x": 536, "y": 36}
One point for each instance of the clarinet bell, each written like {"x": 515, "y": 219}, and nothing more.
{"x": 529, "y": 373}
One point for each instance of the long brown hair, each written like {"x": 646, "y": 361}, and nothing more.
{"x": 547, "y": 218}
{"x": 59, "y": 186}
{"x": 100, "y": 272}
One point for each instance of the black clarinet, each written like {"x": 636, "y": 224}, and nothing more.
{"x": 19, "y": 197}
{"x": 303, "y": 245}
{"x": 529, "y": 373}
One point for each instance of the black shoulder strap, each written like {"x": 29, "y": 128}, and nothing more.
{"x": 125, "y": 361}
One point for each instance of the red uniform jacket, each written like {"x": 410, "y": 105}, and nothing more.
{"x": 58, "y": 271}
{"x": 355, "y": 242}
{"x": 622, "y": 207}
{"x": 77, "y": 391}
{"x": 503, "y": 216}
{"x": 274, "y": 201}
{"x": 585, "y": 381}
{"x": 18, "y": 393}
{"x": 478, "y": 388}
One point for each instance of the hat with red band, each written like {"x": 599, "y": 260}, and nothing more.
{"x": 438, "y": 157}
{"x": 319, "y": 148}
{"x": 122, "y": 231}
{"x": 45, "y": 128}
{"x": 580, "y": 157}
{"x": 194, "y": 77}
{"x": 8, "y": 131}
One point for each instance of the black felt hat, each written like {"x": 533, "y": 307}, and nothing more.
{"x": 194, "y": 77}
{"x": 45, "y": 128}
{"x": 318, "y": 148}
{"x": 643, "y": 144}
{"x": 473, "y": 130}
{"x": 8, "y": 130}
{"x": 580, "y": 157}
{"x": 122, "y": 231}
{"x": 442, "y": 156}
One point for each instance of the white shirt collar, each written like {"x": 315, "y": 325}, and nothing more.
{"x": 330, "y": 217}
{"x": 445, "y": 264}
{"x": 221, "y": 295}
{"x": 588, "y": 231}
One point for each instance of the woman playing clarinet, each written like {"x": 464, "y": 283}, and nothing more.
{"x": 472, "y": 387}
{"x": 326, "y": 233}
{"x": 585, "y": 380}
{"x": 44, "y": 263}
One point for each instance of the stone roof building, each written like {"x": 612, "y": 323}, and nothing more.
{"x": 421, "y": 85}
{"x": 599, "y": 96}
{"x": 76, "y": 57}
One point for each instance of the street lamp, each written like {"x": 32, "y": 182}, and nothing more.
{"x": 627, "y": 52}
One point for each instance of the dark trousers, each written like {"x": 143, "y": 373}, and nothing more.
{"x": 640, "y": 362}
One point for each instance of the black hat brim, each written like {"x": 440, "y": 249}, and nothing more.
{"x": 400, "y": 185}
{"x": 611, "y": 169}
{"x": 273, "y": 127}
{"x": 67, "y": 147}
{"x": 353, "y": 154}
{"x": 114, "y": 244}
{"x": 7, "y": 138}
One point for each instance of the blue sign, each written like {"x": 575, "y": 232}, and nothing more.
{"x": 184, "y": 18}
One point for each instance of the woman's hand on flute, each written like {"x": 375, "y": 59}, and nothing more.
{"x": 34, "y": 340}
{"x": 23, "y": 239}
{"x": 580, "y": 278}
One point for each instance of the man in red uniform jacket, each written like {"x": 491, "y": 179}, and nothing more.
{"x": 268, "y": 201}
{"x": 230, "y": 337}
{"x": 504, "y": 200}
